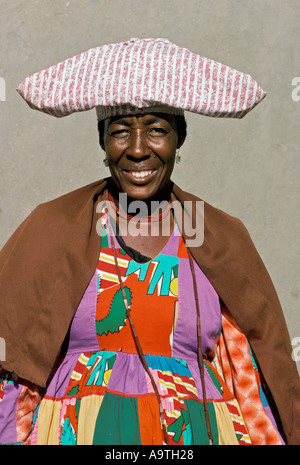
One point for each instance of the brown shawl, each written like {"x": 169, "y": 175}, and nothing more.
{"x": 49, "y": 261}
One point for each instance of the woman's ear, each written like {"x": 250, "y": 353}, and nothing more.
{"x": 181, "y": 138}
{"x": 181, "y": 130}
{"x": 180, "y": 142}
{"x": 101, "y": 142}
{"x": 101, "y": 134}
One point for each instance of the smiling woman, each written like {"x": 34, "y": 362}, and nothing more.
{"x": 129, "y": 339}
{"x": 140, "y": 151}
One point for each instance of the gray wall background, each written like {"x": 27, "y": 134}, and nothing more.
{"x": 249, "y": 167}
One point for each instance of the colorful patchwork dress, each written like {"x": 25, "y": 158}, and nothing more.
{"x": 101, "y": 393}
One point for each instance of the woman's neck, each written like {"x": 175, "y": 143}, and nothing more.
{"x": 152, "y": 209}
{"x": 146, "y": 229}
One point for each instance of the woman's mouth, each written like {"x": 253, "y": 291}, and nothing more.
{"x": 140, "y": 176}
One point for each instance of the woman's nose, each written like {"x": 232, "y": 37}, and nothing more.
{"x": 138, "y": 147}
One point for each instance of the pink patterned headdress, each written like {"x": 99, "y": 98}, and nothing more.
{"x": 141, "y": 75}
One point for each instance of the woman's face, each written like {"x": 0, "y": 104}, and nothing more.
{"x": 140, "y": 151}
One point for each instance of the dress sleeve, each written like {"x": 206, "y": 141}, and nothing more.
{"x": 18, "y": 404}
{"x": 243, "y": 377}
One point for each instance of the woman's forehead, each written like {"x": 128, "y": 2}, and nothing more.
{"x": 147, "y": 118}
{"x": 138, "y": 120}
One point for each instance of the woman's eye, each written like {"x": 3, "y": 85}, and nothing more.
{"x": 158, "y": 132}
{"x": 120, "y": 133}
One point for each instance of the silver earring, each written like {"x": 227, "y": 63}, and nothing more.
{"x": 178, "y": 157}
{"x": 105, "y": 162}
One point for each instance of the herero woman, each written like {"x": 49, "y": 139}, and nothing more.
{"x": 116, "y": 335}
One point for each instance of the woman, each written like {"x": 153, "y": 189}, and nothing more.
{"x": 127, "y": 336}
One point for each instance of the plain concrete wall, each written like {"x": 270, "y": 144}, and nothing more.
{"x": 249, "y": 167}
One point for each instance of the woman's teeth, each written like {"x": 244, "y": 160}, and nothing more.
{"x": 141, "y": 174}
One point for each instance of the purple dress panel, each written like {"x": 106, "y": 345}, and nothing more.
{"x": 185, "y": 339}
{"x": 8, "y": 408}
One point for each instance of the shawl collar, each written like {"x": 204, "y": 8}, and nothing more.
{"x": 49, "y": 261}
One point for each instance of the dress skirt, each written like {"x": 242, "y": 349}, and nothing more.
{"x": 101, "y": 393}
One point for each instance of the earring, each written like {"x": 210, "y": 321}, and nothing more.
{"x": 178, "y": 157}
{"x": 105, "y": 162}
